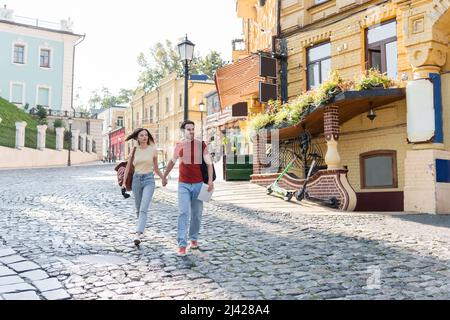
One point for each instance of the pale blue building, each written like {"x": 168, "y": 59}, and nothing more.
{"x": 36, "y": 61}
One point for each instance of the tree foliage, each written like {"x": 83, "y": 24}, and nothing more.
{"x": 105, "y": 99}
{"x": 163, "y": 59}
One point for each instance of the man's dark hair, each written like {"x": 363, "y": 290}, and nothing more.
{"x": 185, "y": 123}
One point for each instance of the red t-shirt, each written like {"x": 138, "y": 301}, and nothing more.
{"x": 190, "y": 155}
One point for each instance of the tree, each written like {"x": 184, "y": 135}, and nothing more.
{"x": 106, "y": 99}
{"x": 164, "y": 60}
{"x": 125, "y": 95}
{"x": 209, "y": 64}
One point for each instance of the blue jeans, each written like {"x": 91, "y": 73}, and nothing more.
{"x": 189, "y": 206}
{"x": 143, "y": 188}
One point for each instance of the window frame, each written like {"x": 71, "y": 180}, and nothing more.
{"x": 376, "y": 153}
{"x": 42, "y": 86}
{"x": 308, "y": 63}
{"x": 381, "y": 43}
{"x": 11, "y": 85}
{"x": 25, "y": 49}
{"x": 151, "y": 114}
{"x": 50, "y": 54}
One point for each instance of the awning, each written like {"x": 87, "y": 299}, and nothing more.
{"x": 238, "y": 81}
{"x": 350, "y": 103}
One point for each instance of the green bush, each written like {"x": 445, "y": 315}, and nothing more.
{"x": 42, "y": 115}
{"x": 58, "y": 123}
{"x": 373, "y": 79}
{"x": 279, "y": 115}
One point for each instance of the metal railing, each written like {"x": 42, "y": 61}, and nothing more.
{"x": 67, "y": 114}
{"x": 64, "y": 25}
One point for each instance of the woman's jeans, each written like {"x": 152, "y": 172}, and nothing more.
{"x": 143, "y": 188}
{"x": 189, "y": 205}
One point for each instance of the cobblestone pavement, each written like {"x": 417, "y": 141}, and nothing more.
{"x": 67, "y": 234}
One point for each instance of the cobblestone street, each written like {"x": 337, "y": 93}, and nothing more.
{"x": 67, "y": 234}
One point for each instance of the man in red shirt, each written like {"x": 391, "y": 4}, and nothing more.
{"x": 189, "y": 151}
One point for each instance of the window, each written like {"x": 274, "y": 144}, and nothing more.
{"x": 45, "y": 58}
{"x": 17, "y": 93}
{"x": 318, "y": 64}
{"x": 319, "y": 1}
{"x": 379, "y": 169}
{"x": 43, "y": 97}
{"x": 381, "y": 51}
{"x": 151, "y": 114}
{"x": 137, "y": 118}
{"x": 166, "y": 134}
{"x": 181, "y": 101}
{"x": 120, "y": 121}
{"x": 19, "y": 54}
{"x": 145, "y": 115}
{"x": 167, "y": 104}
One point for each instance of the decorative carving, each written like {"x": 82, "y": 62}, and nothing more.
{"x": 426, "y": 54}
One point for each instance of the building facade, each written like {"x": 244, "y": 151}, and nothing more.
{"x": 161, "y": 111}
{"x": 238, "y": 84}
{"x": 397, "y": 160}
{"x": 36, "y": 62}
{"x": 113, "y": 132}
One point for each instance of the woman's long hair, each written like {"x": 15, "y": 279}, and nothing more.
{"x": 135, "y": 135}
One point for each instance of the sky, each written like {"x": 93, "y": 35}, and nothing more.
{"x": 117, "y": 31}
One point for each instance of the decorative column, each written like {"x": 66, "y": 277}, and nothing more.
{"x": 83, "y": 142}
{"x": 331, "y": 130}
{"x": 75, "y": 139}
{"x": 59, "y": 138}
{"x": 427, "y": 183}
{"x": 42, "y": 130}
{"x": 20, "y": 134}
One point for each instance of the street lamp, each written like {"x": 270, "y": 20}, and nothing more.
{"x": 70, "y": 141}
{"x": 186, "y": 51}
{"x": 109, "y": 144}
{"x": 202, "y": 109}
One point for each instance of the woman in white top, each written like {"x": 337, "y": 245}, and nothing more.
{"x": 145, "y": 161}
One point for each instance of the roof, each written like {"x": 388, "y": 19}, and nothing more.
{"x": 40, "y": 28}
{"x": 198, "y": 77}
{"x": 237, "y": 81}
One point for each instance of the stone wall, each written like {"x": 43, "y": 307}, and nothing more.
{"x": 31, "y": 158}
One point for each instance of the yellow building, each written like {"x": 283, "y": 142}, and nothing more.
{"x": 400, "y": 160}
{"x": 161, "y": 111}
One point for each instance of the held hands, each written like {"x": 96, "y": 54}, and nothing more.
{"x": 164, "y": 181}
{"x": 210, "y": 186}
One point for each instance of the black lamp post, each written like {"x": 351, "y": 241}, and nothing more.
{"x": 186, "y": 51}
{"x": 109, "y": 144}
{"x": 70, "y": 141}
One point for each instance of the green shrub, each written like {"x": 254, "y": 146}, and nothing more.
{"x": 41, "y": 114}
{"x": 373, "y": 79}
{"x": 59, "y": 123}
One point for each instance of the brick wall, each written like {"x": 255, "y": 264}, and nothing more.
{"x": 324, "y": 185}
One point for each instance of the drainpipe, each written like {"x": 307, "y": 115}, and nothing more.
{"x": 73, "y": 70}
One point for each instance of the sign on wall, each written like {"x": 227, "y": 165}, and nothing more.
{"x": 268, "y": 67}
{"x": 267, "y": 91}
{"x": 420, "y": 111}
